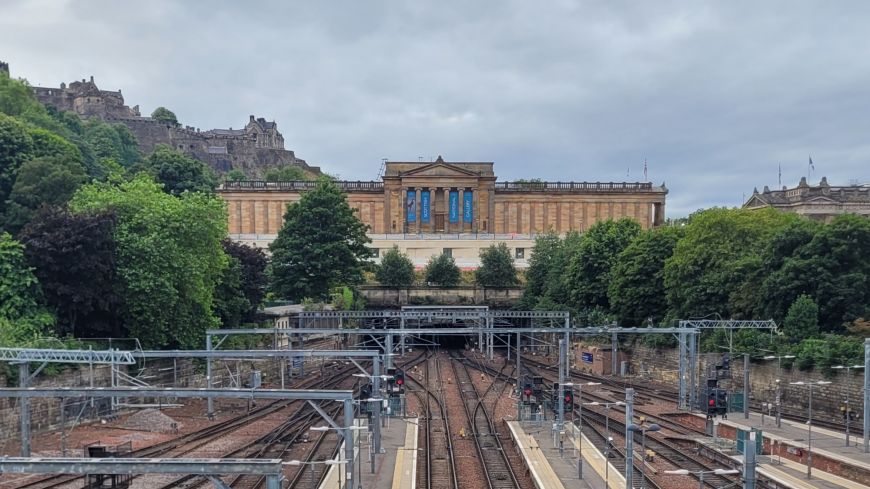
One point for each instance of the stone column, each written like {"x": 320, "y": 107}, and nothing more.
{"x": 447, "y": 209}
{"x": 417, "y": 208}
{"x": 461, "y": 206}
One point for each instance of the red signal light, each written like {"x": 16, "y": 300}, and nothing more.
{"x": 527, "y": 392}
{"x": 711, "y": 402}
{"x": 568, "y": 398}
{"x": 400, "y": 381}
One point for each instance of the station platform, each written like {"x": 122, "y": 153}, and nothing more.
{"x": 552, "y": 468}
{"x": 788, "y": 446}
{"x": 395, "y": 466}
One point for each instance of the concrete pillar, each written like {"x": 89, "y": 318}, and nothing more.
{"x": 388, "y": 358}
{"x": 749, "y": 462}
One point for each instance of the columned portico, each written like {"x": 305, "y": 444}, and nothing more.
{"x": 422, "y": 208}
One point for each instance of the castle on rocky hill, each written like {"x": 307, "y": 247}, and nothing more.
{"x": 253, "y": 149}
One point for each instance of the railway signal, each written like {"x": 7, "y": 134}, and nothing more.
{"x": 400, "y": 379}
{"x": 527, "y": 394}
{"x": 568, "y": 396}
{"x": 722, "y": 402}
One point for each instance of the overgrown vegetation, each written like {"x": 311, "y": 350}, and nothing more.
{"x": 813, "y": 279}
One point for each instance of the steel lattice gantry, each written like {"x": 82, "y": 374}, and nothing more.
{"x": 24, "y": 356}
{"x": 106, "y": 357}
{"x": 271, "y": 469}
{"x": 689, "y": 363}
{"x": 373, "y": 355}
{"x": 344, "y": 396}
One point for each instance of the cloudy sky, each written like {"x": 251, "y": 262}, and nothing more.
{"x": 714, "y": 95}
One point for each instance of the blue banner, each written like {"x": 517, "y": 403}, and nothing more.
{"x": 454, "y": 206}
{"x": 411, "y": 206}
{"x": 424, "y": 207}
{"x": 466, "y": 207}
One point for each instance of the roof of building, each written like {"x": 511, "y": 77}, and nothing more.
{"x": 805, "y": 193}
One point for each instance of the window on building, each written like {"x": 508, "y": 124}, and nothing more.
{"x": 520, "y": 253}
{"x": 448, "y": 252}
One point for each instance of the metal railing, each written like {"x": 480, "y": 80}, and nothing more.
{"x": 301, "y": 185}
{"x": 573, "y": 186}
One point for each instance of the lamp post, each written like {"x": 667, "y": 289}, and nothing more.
{"x": 580, "y": 422}
{"x": 810, "y": 385}
{"x": 643, "y": 429}
{"x": 700, "y": 474}
{"x": 778, "y": 385}
{"x": 848, "y": 369}
{"x": 608, "y": 438}
{"x": 348, "y": 430}
{"x": 311, "y": 471}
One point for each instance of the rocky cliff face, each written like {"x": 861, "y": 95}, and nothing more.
{"x": 253, "y": 149}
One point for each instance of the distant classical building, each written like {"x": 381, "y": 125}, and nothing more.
{"x": 253, "y": 148}
{"x": 822, "y": 202}
{"x": 454, "y": 207}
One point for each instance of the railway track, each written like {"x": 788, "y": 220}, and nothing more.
{"x": 438, "y": 464}
{"x": 496, "y": 466}
{"x": 185, "y": 444}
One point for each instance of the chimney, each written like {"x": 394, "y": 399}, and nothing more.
{"x": 252, "y": 118}
{"x": 92, "y": 78}
{"x": 803, "y": 182}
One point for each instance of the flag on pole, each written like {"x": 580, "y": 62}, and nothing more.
{"x": 780, "y": 173}
{"x": 812, "y": 167}
{"x": 644, "y": 170}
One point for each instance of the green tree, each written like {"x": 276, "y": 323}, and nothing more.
{"x": 41, "y": 181}
{"x": 544, "y": 252}
{"x": 802, "y": 320}
{"x": 637, "y": 284}
{"x": 321, "y": 245}
{"x": 253, "y": 278}
{"x": 284, "y": 174}
{"x": 230, "y": 303}
{"x": 73, "y": 256}
{"x": 178, "y": 172}
{"x": 717, "y": 267}
{"x": 169, "y": 257}
{"x": 236, "y": 175}
{"x": 589, "y": 268}
{"x": 164, "y": 114}
{"x": 830, "y": 263}
{"x": 496, "y": 267}
{"x": 20, "y": 142}
{"x": 441, "y": 270}
{"x": 395, "y": 269}
{"x": 21, "y": 317}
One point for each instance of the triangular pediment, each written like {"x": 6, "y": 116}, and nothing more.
{"x": 439, "y": 169}
{"x": 755, "y": 201}
{"x": 821, "y": 199}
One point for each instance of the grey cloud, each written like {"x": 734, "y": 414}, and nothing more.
{"x": 714, "y": 95}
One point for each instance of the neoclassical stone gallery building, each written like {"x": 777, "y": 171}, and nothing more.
{"x": 457, "y": 207}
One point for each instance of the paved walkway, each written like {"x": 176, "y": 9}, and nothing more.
{"x": 824, "y": 440}
{"x": 563, "y": 464}
{"x": 395, "y": 467}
